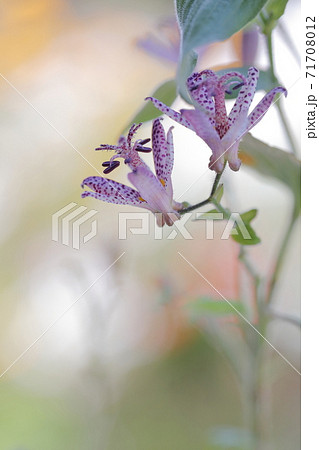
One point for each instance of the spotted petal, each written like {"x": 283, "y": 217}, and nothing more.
{"x": 163, "y": 151}
{"x": 257, "y": 114}
{"x": 203, "y": 99}
{"x": 198, "y": 78}
{"x": 245, "y": 97}
{"x": 112, "y": 192}
{"x": 170, "y": 112}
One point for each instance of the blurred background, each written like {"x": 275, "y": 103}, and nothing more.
{"x": 116, "y": 362}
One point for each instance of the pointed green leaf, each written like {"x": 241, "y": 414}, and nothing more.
{"x": 249, "y": 237}
{"x": 249, "y": 215}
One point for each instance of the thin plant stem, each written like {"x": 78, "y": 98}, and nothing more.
{"x": 282, "y": 116}
{"x": 256, "y": 280}
{"x": 209, "y": 199}
{"x": 279, "y": 260}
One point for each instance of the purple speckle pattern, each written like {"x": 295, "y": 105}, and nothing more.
{"x": 260, "y": 110}
{"x": 111, "y": 191}
{"x": 245, "y": 96}
{"x": 174, "y": 115}
{"x": 163, "y": 151}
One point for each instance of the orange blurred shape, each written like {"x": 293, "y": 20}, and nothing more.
{"x": 27, "y": 27}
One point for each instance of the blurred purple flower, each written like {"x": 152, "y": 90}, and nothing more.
{"x": 209, "y": 119}
{"x": 164, "y": 45}
{"x": 250, "y": 45}
{"x": 153, "y": 192}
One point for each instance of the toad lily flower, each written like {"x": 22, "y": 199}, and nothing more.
{"x": 154, "y": 193}
{"x": 209, "y": 119}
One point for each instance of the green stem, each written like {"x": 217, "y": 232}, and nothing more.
{"x": 256, "y": 279}
{"x": 279, "y": 260}
{"x": 270, "y": 56}
{"x": 209, "y": 199}
{"x": 282, "y": 116}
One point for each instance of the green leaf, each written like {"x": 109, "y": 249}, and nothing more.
{"x": 273, "y": 162}
{"x": 250, "y": 239}
{"x": 249, "y": 215}
{"x": 166, "y": 93}
{"x": 206, "y": 21}
{"x": 243, "y": 233}
{"x": 218, "y": 307}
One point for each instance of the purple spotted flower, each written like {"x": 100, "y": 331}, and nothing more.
{"x": 209, "y": 119}
{"x": 153, "y": 192}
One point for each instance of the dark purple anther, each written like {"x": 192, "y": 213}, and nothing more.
{"x": 110, "y": 166}
{"x": 140, "y": 148}
{"x": 144, "y": 141}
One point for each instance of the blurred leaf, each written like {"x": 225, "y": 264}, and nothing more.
{"x": 218, "y": 307}
{"x": 249, "y": 215}
{"x": 166, "y": 93}
{"x": 273, "y": 162}
{"x": 238, "y": 236}
{"x": 205, "y": 21}
{"x": 229, "y": 437}
{"x": 243, "y": 232}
